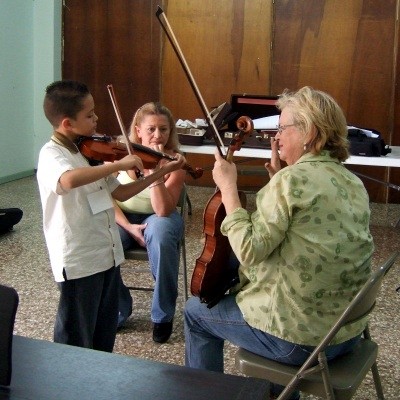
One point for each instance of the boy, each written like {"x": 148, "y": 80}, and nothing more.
{"x": 78, "y": 219}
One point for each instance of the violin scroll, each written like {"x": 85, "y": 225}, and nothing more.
{"x": 195, "y": 173}
{"x": 246, "y": 127}
{"x": 245, "y": 124}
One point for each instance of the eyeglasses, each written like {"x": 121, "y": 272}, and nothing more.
{"x": 281, "y": 128}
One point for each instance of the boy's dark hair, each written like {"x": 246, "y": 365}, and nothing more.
{"x": 64, "y": 99}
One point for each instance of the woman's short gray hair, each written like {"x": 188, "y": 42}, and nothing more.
{"x": 321, "y": 119}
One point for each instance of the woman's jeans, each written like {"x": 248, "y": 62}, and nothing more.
{"x": 206, "y": 330}
{"x": 162, "y": 236}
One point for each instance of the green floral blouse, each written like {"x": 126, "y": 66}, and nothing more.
{"x": 305, "y": 252}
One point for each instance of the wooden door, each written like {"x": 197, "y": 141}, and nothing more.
{"x": 113, "y": 42}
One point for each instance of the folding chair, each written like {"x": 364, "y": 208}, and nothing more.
{"x": 340, "y": 378}
{"x": 8, "y": 310}
{"x": 140, "y": 254}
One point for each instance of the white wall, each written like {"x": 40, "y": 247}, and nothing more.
{"x": 30, "y": 59}
{"x": 47, "y": 27}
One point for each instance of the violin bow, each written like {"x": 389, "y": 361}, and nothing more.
{"x": 119, "y": 118}
{"x": 175, "y": 45}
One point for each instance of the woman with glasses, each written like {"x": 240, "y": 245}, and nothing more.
{"x": 303, "y": 253}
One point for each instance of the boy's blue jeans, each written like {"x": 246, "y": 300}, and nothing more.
{"x": 162, "y": 236}
{"x": 207, "y": 329}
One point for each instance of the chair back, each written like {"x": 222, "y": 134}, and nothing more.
{"x": 361, "y": 304}
{"x": 8, "y": 310}
{"x": 364, "y": 302}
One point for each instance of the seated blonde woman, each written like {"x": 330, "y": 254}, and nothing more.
{"x": 150, "y": 218}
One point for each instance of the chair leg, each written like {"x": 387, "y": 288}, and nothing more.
{"x": 189, "y": 204}
{"x": 377, "y": 381}
{"x": 375, "y": 372}
{"x": 325, "y": 376}
{"x": 289, "y": 389}
{"x": 185, "y": 278}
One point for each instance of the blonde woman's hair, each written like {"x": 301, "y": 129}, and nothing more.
{"x": 319, "y": 117}
{"x": 155, "y": 108}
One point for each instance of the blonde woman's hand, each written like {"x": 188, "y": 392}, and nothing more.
{"x": 136, "y": 231}
{"x": 224, "y": 173}
{"x": 274, "y": 164}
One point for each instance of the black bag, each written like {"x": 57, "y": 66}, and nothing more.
{"x": 8, "y": 218}
{"x": 363, "y": 145}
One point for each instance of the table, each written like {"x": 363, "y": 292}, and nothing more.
{"x": 390, "y": 160}
{"x": 44, "y": 370}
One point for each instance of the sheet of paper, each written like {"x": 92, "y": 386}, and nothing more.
{"x": 100, "y": 201}
{"x": 266, "y": 122}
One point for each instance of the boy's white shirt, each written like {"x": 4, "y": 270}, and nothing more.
{"x": 79, "y": 225}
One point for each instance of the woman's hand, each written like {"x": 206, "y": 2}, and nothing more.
{"x": 224, "y": 173}
{"x": 225, "y": 177}
{"x": 178, "y": 163}
{"x": 136, "y": 231}
{"x": 274, "y": 165}
{"x": 174, "y": 165}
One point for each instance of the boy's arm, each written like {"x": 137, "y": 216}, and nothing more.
{"x": 126, "y": 191}
{"x": 82, "y": 176}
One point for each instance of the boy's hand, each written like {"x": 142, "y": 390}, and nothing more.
{"x": 130, "y": 161}
{"x": 178, "y": 163}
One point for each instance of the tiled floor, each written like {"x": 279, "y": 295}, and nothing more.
{"x": 24, "y": 265}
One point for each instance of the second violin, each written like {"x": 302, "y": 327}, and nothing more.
{"x": 213, "y": 275}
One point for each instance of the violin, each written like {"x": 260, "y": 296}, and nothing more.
{"x": 103, "y": 148}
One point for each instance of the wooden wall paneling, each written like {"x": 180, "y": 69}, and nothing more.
{"x": 313, "y": 41}
{"x": 370, "y": 88}
{"x": 394, "y": 173}
{"x": 113, "y": 42}
{"x": 371, "y": 85}
{"x": 343, "y": 48}
{"x": 227, "y": 47}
